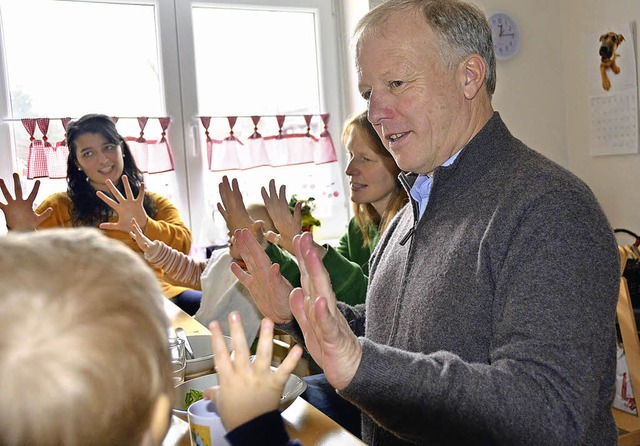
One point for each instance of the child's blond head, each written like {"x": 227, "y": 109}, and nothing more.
{"x": 83, "y": 340}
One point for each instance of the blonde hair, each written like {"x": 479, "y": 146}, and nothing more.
{"x": 365, "y": 214}
{"x": 83, "y": 344}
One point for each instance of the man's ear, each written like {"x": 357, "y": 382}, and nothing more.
{"x": 474, "y": 70}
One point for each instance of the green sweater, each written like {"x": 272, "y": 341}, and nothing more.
{"x": 347, "y": 264}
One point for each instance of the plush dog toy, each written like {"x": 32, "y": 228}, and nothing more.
{"x": 609, "y": 44}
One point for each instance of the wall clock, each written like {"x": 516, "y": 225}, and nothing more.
{"x": 505, "y": 34}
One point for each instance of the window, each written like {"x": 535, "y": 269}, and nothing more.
{"x": 173, "y": 58}
{"x": 78, "y": 65}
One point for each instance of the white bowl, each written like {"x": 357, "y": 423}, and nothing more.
{"x": 203, "y": 363}
{"x": 292, "y": 390}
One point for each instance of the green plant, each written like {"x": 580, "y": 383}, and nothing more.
{"x": 308, "y": 206}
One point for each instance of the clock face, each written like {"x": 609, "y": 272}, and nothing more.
{"x": 505, "y": 35}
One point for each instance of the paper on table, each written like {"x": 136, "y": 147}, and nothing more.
{"x": 176, "y": 433}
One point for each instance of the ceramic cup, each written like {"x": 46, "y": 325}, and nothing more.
{"x": 205, "y": 425}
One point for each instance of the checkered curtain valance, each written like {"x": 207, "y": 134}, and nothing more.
{"x": 255, "y": 141}
{"x": 46, "y": 160}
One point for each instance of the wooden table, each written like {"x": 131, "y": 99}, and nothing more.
{"x": 178, "y": 318}
{"x": 303, "y": 421}
{"x": 312, "y": 427}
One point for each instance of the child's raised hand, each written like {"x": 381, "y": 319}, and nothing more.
{"x": 246, "y": 390}
{"x": 136, "y": 233}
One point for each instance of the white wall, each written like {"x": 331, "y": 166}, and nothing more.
{"x": 352, "y": 11}
{"x": 614, "y": 179}
{"x": 529, "y": 92}
{"x": 542, "y": 94}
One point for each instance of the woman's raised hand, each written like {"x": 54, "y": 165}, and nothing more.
{"x": 127, "y": 207}
{"x": 234, "y": 211}
{"x": 287, "y": 225}
{"x": 270, "y": 291}
{"x": 18, "y": 212}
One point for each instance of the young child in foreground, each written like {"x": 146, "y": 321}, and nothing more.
{"x": 84, "y": 358}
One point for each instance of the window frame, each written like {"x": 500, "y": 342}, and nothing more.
{"x": 178, "y": 76}
{"x": 332, "y": 101}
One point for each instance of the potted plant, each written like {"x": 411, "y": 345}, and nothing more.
{"x": 308, "y": 206}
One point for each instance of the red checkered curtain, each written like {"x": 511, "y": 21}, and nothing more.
{"x": 295, "y": 150}
{"x": 278, "y": 149}
{"x": 56, "y": 154}
{"x": 206, "y": 122}
{"x": 37, "y": 160}
{"x": 160, "y": 159}
{"x": 152, "y": 156}
{"x": 230, "y": 152}
{"x": 324, "y": 151}
{"x": 138, "y": 146}
{"x": 50, "y": 161}
{"x": 256, "y": 146}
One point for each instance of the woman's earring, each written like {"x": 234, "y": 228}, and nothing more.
{"x": 79, "y": 168}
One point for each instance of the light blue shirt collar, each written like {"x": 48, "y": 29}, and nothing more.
{"x": 421, "y": 188}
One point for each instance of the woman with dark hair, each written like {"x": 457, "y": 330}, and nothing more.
{"x": 105, "y": 189}
{"x": 88, "y": 208}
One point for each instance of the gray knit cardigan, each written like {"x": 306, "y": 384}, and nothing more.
{"x": 495, "y": 322}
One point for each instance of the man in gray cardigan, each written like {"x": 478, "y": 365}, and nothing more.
{"x": 490, "y": 312}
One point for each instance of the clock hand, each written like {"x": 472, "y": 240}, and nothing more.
{"x": 500, "y": 34}
{"x": 507, "y": 35}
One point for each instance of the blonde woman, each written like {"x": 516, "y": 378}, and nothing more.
{"x": 376, "y": 196}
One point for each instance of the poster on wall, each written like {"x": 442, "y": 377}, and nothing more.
{"x": 613, "y": 89}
